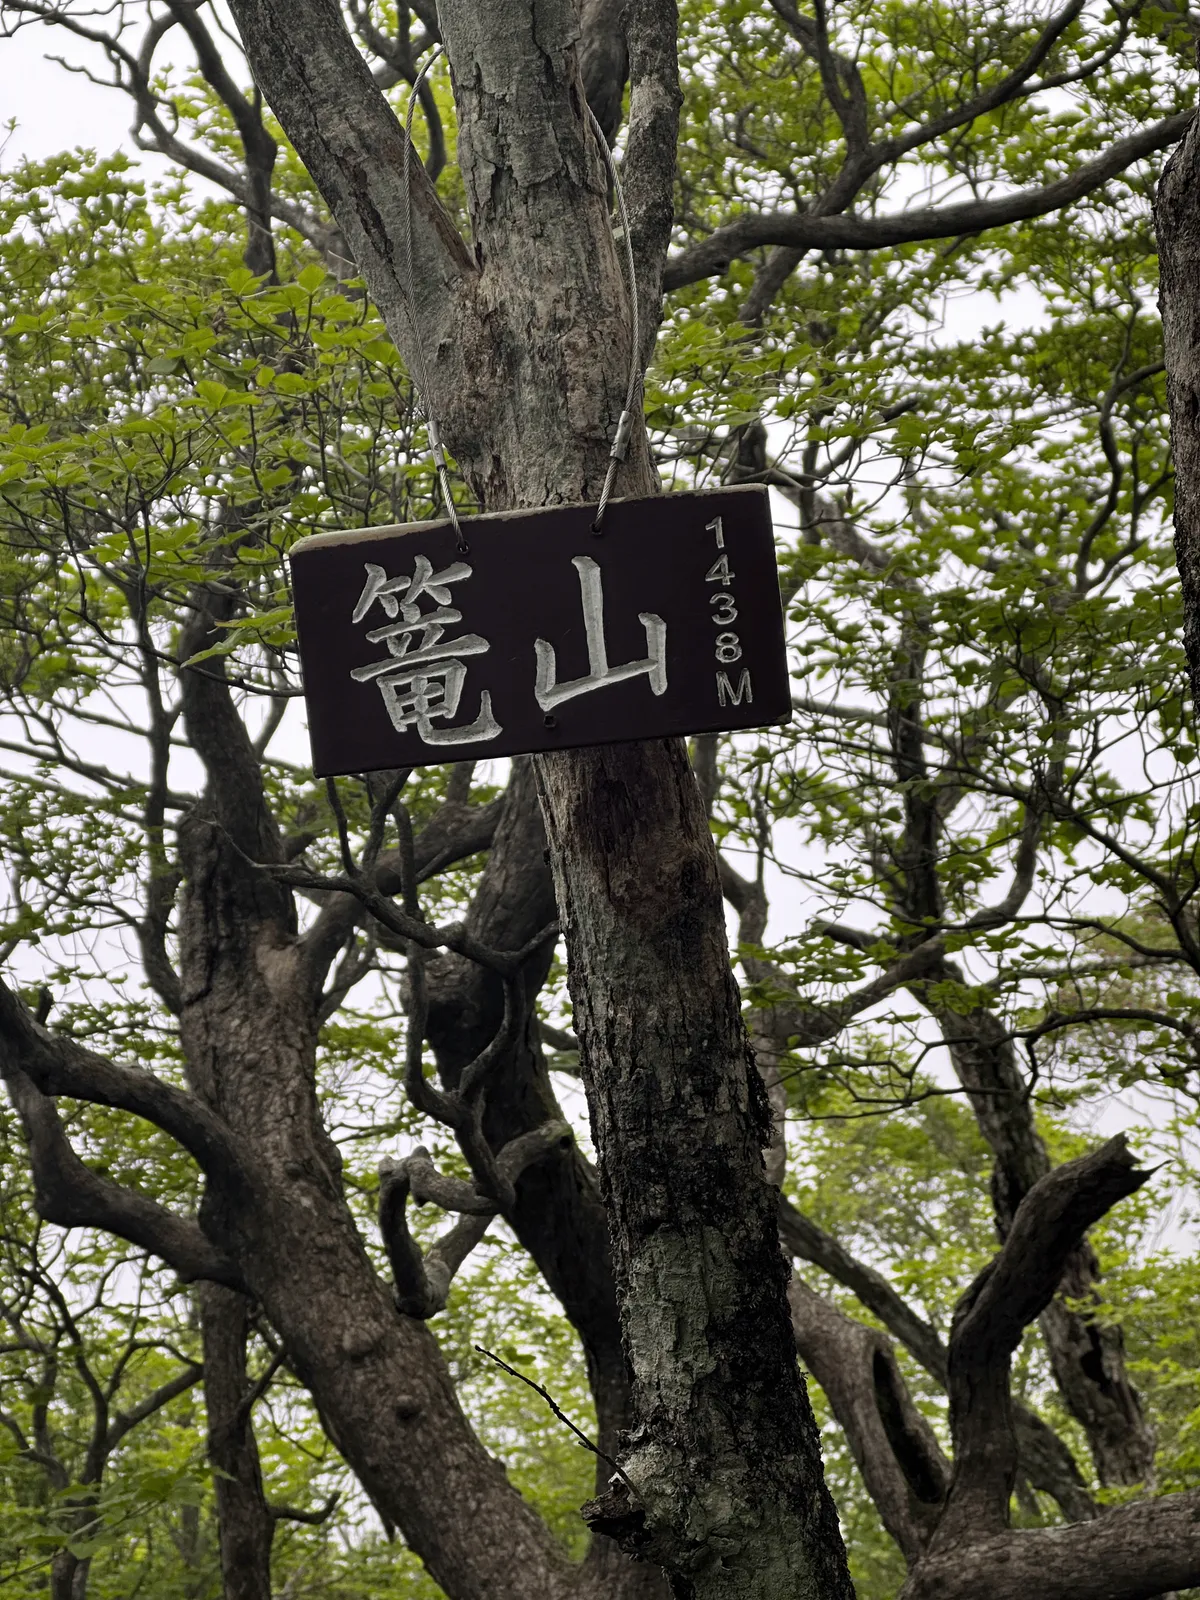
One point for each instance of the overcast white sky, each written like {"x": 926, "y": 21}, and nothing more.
{"x": 59, "y": 110}
{"x": 55, "y": 110}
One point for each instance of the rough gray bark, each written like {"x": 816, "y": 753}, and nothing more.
{"x": 251, "y": 994}
{"x": 244, "y": 1522}
{"x": 530, "y": 338}
{"x": 559, "y": 1215}
{"x": 1177, "y": 223}
{"x": 724, "y": 1448}
{"x": 1087, "y": 1355}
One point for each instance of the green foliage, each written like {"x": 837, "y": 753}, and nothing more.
{"x": 163, "y": 411}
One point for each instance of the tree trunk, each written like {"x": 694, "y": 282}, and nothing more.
{"x": 1087, "y": 1355}
{"x": 1177, "y": 222}
{"x": 559, "y": 1215}
{"x": 724, "y": 1456}
{"x": 530, "y": 334}
{"x": 69, "y": 1576}
{"x": 244, "y": 1523}
{"x": 249, "y": 1027}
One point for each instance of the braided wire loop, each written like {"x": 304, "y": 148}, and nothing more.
{"x": 620, "y": 444}
{"x": 421, "y": 379}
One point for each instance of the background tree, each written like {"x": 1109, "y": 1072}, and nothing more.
{"x": 87, "y": 1364}
{"x": 1178, "y": 231}
{"x": 978, "y": 744}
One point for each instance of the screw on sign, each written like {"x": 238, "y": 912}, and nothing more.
{"x": 540, "y": 634}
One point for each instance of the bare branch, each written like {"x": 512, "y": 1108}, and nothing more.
{"x": 558, "y": 1039}
{"x": 991, "y": 1318}
{"x": 1134, "y": 1552}
{"x": 1008, "y": 88}
{"x": 903, "y": 1467}
{"x": 125, "y": 1421}
{"x": 423, "y": 1282}
{"x": 314, "y": 1519}
{"x": 428, "y": 1186}
{"x": 1056, "y": 1021}
{"x": 455, "y": 832}
{"x": 803, "y": 230}
{"x": 1043, "y": 1457}
{"x": 1033, "y": 822}
{"x": 400, "y": 56}
{"x": 248, "y": 120}
{"x": 840, "y": 77}
{"x": 57, "y": 1065}
{"x": 796, "y": 1023}
{"x": 71, "y": 1195}
{"x": 803, "y": 1238}
{"x": 1046, "y": 1461}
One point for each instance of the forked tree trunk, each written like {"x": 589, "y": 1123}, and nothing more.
{"x": 69, "y": 1576}
{"x": 528, "y": 336}
{"x": 1087, "y": 1355}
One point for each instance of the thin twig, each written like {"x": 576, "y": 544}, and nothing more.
{"x": 562, "y": 1417}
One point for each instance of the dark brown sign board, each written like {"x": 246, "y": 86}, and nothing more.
{"x": 542, "y": 634}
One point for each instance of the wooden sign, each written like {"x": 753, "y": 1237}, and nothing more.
{"x": 542, "y": 634}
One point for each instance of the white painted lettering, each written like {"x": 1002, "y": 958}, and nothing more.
{"x": 549, "y": 692}
{"x": 728, "y": 695}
